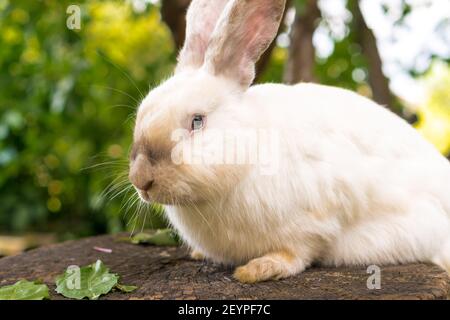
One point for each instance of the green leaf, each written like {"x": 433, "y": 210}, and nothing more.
{"x": 160, "y": 237}
{"x": 86, "y": 282}
{"x": 24, "y": 290}
{"x": 125, "y": 288}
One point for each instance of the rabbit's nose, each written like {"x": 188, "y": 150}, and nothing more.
{"x": 141, "y": 175}
{"x": 145, "y": 186}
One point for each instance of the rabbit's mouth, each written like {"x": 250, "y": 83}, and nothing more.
{"x": 159, "y": 196}
{"x": 144, "y": 196}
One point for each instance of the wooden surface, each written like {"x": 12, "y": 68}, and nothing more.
{"x": 168, "y": 273}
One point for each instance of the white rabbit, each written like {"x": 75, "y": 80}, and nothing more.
{"x": 354, "y": 185}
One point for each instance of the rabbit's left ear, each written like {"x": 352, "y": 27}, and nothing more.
{"x": 244, "y": 31}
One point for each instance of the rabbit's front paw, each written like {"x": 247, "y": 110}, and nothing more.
{"x": 272, "y": 266}
{"x": 197, "y": 255}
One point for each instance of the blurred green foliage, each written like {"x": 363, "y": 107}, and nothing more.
{"x": 66, "y": 101}
{"x": 434, "y": 114}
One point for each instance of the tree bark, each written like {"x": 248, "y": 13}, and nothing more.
{"x": 173, "y": 13}
{"x": 169, "y": 273}
{"x": 301, "y": 57}
{"x": 378, "y": 82}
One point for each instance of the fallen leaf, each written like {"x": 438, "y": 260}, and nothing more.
{"x": 86, "y": 282}
{"x": 160, "y": 237}
{"x": 125, "y": 288}
{"x": 24, "y": 290}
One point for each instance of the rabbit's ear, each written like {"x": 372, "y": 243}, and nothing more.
{"x": 201, "y": 20}
{"x": 244, "y": 31}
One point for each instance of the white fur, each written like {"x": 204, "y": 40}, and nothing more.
{"x": 356, "y": 184}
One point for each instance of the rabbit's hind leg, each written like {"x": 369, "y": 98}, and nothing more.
{"x": 277, "y": 265}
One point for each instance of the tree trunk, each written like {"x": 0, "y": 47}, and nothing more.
{"x": 173, "y": 13}
{"x": 301, "y": 58}
{"x": 169, "y": 273}
{"x": 376, "y": 78}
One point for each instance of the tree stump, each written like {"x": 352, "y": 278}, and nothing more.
{"x": 169, "y": 273}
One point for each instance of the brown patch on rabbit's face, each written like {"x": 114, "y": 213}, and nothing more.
{"x": 165, "y": 110}
{"x": 181, "y": 184}
{"x": 150, "y": 158}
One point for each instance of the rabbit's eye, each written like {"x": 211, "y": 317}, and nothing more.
{"x": 198, "y": 122}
